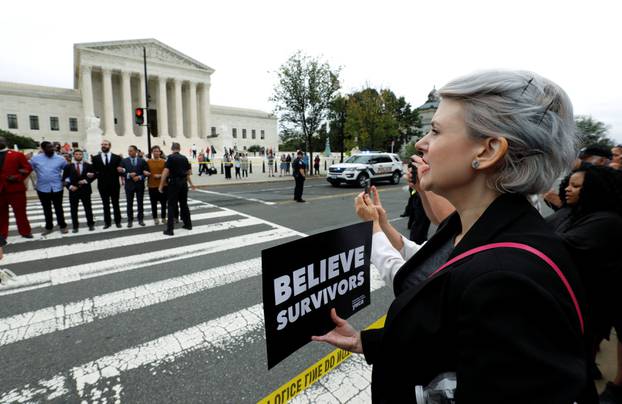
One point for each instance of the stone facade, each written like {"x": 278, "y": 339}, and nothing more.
{"x": 109, "y": 84}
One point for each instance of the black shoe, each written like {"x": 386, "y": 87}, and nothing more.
{"x": 75, "y": 230}
{"x": 404, "y": 215}
{"x": 91, "y": 228}
{"x": 3, "y": 242}
{"x": 168, "y": 232}
{"x": 141, "y": 223}
{"x": 64, "y": 230}
{"x": 186, "y": 227}
{"x": 129, "y": 224}
{"x": 301, "y": 200}
{"x": 611, "y": 395}
{"x": 46, "y": 232}
{"x": 118, "y": 225}
{"x": 107, "y": 226}
{"x": 28, "y": 236}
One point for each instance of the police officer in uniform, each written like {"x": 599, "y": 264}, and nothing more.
{"x": 175, "y": 176}
{"x": 298, "y": 170}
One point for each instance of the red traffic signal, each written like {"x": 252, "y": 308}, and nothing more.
{"x": 139, "y": 116}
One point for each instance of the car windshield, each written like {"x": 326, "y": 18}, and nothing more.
{"x": 360, "y": 159}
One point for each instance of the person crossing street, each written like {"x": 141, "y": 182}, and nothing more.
{"x": 107, "y": 170}
{"x": 176, "y": 173}
{"x": 134, "y": 170}
{"x": 77, "y": 178}
{"x": 14, "y": 170}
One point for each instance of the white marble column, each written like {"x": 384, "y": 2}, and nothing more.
{"x": 193, "y": 109}
{"x": 128, "y": 112}
{"x": 86, "y": 87}
{"x": 108, "y": 106}
{"x": 162, "y": 108}
{"x": 179, "y": 117}
{"x": 204, "y": 94}
{"x": 142, "y": 130}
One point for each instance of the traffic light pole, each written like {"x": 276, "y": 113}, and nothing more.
{"x": 147, "y": 101}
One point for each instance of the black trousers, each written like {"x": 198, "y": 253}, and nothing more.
{"x": 154, "y": 197}
{"x": 111, "y": 195}
{"x": 74, "y": 199}
{"x": 139, "y": 192}
{"x": 237, "y": 173}
{"x": 47, "y": 200}
{"x": 177, "y": 193}
{"x": 300, "y": 183}
{"x": 227, "y": 171}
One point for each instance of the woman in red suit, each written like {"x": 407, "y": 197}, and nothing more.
{"x": 14, "y": 169}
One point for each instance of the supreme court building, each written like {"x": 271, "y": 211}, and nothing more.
{"x": 109, "y": 83}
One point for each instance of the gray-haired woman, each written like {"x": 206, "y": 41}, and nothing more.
{"x": 506, "y": 314}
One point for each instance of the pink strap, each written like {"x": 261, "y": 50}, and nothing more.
{"x": 527, "y": 248}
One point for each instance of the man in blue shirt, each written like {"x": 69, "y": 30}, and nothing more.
{"x": 49, "y": 168}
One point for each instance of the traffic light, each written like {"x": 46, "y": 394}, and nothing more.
{"x": 139, "y": 116}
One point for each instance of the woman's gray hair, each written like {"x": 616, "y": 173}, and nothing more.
{"x": 532, "y": 113}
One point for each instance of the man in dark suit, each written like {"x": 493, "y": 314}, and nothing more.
{"x": 134, "y": 169}
{"x": 106, "y": 166}
{"x": 77, "y": 177}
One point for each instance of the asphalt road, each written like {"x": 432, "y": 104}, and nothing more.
{"x": 127, "y": 315}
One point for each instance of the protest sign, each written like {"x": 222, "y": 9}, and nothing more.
{"x": 302, "y": 280}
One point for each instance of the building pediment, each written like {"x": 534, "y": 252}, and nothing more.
{"x": 156, "y": 51}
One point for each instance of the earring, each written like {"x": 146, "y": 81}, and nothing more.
{"x": 475, "y": 164}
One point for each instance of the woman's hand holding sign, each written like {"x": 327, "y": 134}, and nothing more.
{"x": 343, "y": 336}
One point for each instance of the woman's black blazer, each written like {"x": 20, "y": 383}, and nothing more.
{"x": 501, "y": 319}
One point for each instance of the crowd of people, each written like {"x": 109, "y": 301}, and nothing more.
{"x": 166, "y": 179}
{"x": 500, "y": 305}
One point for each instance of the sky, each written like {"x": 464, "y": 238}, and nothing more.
{"x": 406, "y": 46}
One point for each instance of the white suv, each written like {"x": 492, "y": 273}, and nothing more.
{"x": 363, "y": 167}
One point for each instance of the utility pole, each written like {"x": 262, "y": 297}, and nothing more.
{"x": 147, "y": 102}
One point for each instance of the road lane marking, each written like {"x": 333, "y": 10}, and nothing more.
{"x": 213, "y": 334}
{"x": 38, "y": 215}
{"x": 348, "y": 194}
{"x": 97, "y": 216}
{"x": 124, "y": 241}
{"x": 235, "y": 196}
{"x": 32, "y": 324}
{"x": 100, "y": 268}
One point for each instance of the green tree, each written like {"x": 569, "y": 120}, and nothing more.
{"x": 302, "y": 96}
{"x": 592, "y": 132}
{"x": 337, "y": 116}
{"x": 375, "y": 119}
{"x": 22, "y": 142}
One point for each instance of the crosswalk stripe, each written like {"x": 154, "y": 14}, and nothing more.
{"x": 97, "y": 212}
{"x": 94, "y": 269}
{"x": 98, "y": 230}
{"x": 212, "y": 334}
{"x": 38, "y": 212}
{"x": 61, "y": 317}
{"x": 124, "y": 241}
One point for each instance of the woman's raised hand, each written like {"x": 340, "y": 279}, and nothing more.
{"x": 343, "y": 336}
{"x": 365, "y": 208}
{"x": 375, "y": 197}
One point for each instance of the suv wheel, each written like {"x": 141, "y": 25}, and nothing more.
{"x": 395, "y": 178}
{"x": 362, "y": 180}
